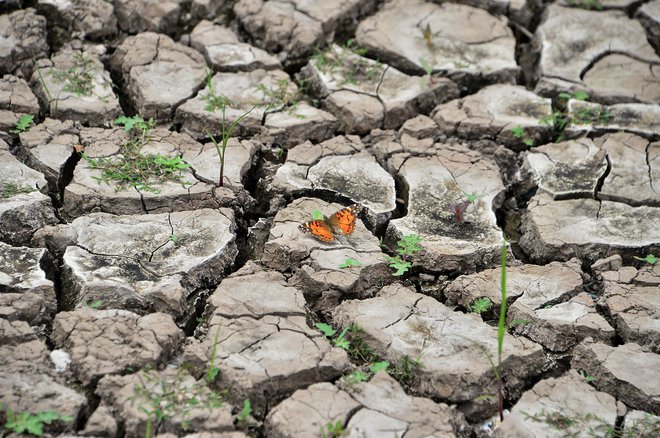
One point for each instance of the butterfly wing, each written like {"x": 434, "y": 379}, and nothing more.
{"x": 319, "y": 229}
{"x": 345, "y": 219}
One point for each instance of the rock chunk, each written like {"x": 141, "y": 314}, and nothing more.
{"x": 159, "y": 74}
{"x": 625, "y": 372}
{"x": 102, "y": 342}
{"x": 556, "y": 407}
{"x": 605, "y": 54}
{"x": 649, "y": 15}
{"x": 264, "y": 348}
{"x": 399, "y": 322}
{"x": 22, "y": 38}
{"x": 364, "y": 93}
{"x": 457, "y": 233}
{"x": 587, "y": 229}
{"x": 465, "y": 43}
{"x": 16, "y": 96}
{"x": 507, "y": 114}
{"x": 223, "y": 50}
{"x": 85, "y": 19}
{"x": 27, "y": 295}
{"x": 73, "y": 85}
{"x": 147, "y": 263}
{"x": 147, "y": 15}
{"x": 376, "y": 408}
{"x": 23, "y": 208}
{"x": 637, "y": 118}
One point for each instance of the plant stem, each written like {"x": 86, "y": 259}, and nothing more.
{"x": 501, "y": 329}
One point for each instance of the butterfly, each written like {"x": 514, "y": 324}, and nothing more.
{"x": 325, "y": 229}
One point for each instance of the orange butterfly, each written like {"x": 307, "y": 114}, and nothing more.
{"x": 325, "y": 229}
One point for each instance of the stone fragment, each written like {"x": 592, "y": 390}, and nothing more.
{"x": 453, "y": 346}
{"x": 23, "y": 207}
{"x": 22, "y": 38}
{"x": 631, "y": 296}
{"x": 557, "y": 407}
{"x": 465, "y": 43}
{"x": 223, "y": 50}
{"x": 293, "y": 28}
{"x": 159, "y": 74}
{"x": 102, "y": 342}
{"x": 604, "y": 53}
{"x": 101, "y": 422}
{"x": 146, "y": 263}
{"x": 363, "y": 92}
{"x": 640, "y": 423}
{"x": 25, "y": 292}
{"x": 16, "y": 96}
{"x": 264, "y": 348}
{"x": 507, "y": 114}
{"x": 147, "y": 15}
{"x": 379, "y": 407}
{"x": 626, "y": 372}
{"x": 85, "y": 19}
{"x": 649, "y": 15}
{"x": 457, "y": 234}
{"x": 587, "y": 229}
{"x": 637, "y": 118}
{"x": 190, "y": 405}
{"x": 73, "y": 85}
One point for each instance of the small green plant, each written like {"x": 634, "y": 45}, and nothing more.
{"x": 243, "y": 417}
{"x": 339, "y": 341}
{"x": 428, "y": 36}
{"x": 359, "y": 349}
{"x": 597, "y": 115}
{"x": 354, "y": 377}
{"x": 519, "y": 132}
{"x": 349, "y": 263}
{"x": 279, "y": 96}
{"x": 480, "y": 305}
{"x": 213, "y": 101}
{"x": 501, "y": 330}
{"x": 24, "y": 123}
{"x": 33, "y": 424}
{"x": 213, "y": 371}
{"x": 578, "y": 95}
{"x": 354, "y": 69}
{"x": 77, "y": 79}
{"x": 407, "y": 246}
{"x": 405, "y": 369}
{"x": 379, "y": 366}
{"x": 650, "y": 259}
{"x": 333, "y": 430}
{"x": 9, "y": 189}
{"x": 428, "y": 79}
{"x": 588, "y": 377}
{"x": 96, "y": 304}
{"x": 174, "y": 239}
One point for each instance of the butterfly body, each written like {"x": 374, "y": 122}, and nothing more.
{"x": 327, "y": 228}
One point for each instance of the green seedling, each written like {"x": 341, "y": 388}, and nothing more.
{"x": 24, "y": 123}
{"x": 317, "y": 215}
{"x": 578, "y": 95}
{"x": 481, "y": 305}
{"x": 349, "y": 263}
{"x": 339, "y": 341}
{"x": 353, "y": 69}
{"x": 650, "y": 259}
{"x": 428, "y": 36}
{"x": 501, "y": 330}
{"x": 379, "y": 366}
{"x": 174, "y": 239}
{"x": 359, "y": 350}
{"x": 356, "y": 376}
{"x": 77, "y": 79}
{"x": 588, "y": 377}
{"x": 405, "y": 369}
{"x": 213, "y": 101}
{"x": 333, "y": 430}
{"x": 96, "y": 304}
{"x": 519, "y": 133}
{"x": 213, "y": 371}
{"x": 32, "y": 424}
{"x": 243, "y": 417}
{"x": 9, "y": 189}
{"x": 407, "y": 246}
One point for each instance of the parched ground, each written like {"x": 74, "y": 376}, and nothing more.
{"x": 150, "y": 288}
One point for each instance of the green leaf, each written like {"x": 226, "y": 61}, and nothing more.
{"x": 401, "y": 266}
{"x": 409, "y": 245}
{"x": 342, "y": 343}
{"x": 23, "y": 124}
{"x": 317, "y": 215}
{"x": 379, "y": 366}
{"x": 516, "y": 322}
{"x": 529, "y": 141}
{"x": 580, "y": 95}
{"x": 650, "y": 259}
{"x": 565, "y": 96}
{"x": 246, "y": 411}
{"x": 356, "y": 376}
{"x": 481, "y": 305}
{"x": 213, "y": 374}
{"x": 518, "y": 131}
{"x": 326, "y": 329}
{"x": 349, "y": 263}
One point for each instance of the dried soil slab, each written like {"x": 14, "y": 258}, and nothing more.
{"x": 625, "y": 372}
{"x": 158, "y": 73}
{"x": 364, "y": 93}
{"x": 576, "y": 54}
{"x": 436, "y": 183}
{"x": 23, "y": 208}
{"x": 22, "y": 38}
{"x": 632, "y": 298}
{"x": 16, "y": 100}
{"x": 342, "y": 166}
{"x": 86, "y": 19}
{"x": 129, "y": 396}
{"x": 269, "y": 94}
{"x": 465, "y": 43}
{"x": 195, "y": 189}
{"x": 208, "y": 9}
{"x": 401, "y": 322}
{"x": 637, "y": 118}
{"x": 379, "y": 407}
{"x": 133, "y": 263}
{"x": 102, "y": 342}
{"x": 640, "y": 422}
{"x": 293, "y": 28}
{"x": 147, "y": 15}
{"x": 224, "y": 51}
{"x": 73, "y": 85}
{"x": 587, "y": 229}
{"x": 649, "y": 15}
{"x": 25, "y": 292}
{"x": 493, "y": 112}
{"x": 568, "y": 396}
{"x": 36, "y": 393}
{"x": 265, "y": 348}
